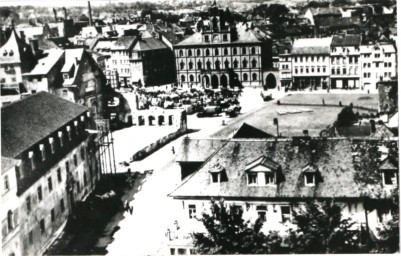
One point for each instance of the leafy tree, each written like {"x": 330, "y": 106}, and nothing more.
{"x": 321, "y": 229}
{"x": 390, "y": 234}
{"x": 346, "y": 117}
{"x": 228, "y": 233}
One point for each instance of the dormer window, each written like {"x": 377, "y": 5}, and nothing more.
{"x": 218, "y": 174}
{"x": 389, "y": 172}
{"x": 66, "y": 76}
{"x": 69, "y": 132}
{"x": 311, "y": 175}
{"x": 51, "y": 143}
{"x": 76, "y": 127}
{"x": 263, "y": 172}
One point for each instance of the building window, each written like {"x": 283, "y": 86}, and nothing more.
{"x": 181, "y": 53}
{"x": 30, "y": 237}
{"x": 225, "y": 38}
{"x": 28, "y": 203}
{"x": 296, "y": 70}
{"x": 307, "y": 70}
{"x": 344, "y": 71}
{"x": 338, "y": 71}
{"x": 60, "y": 135}
{"x": 377, "y": 64}
{"x": 191, "y": 78}
{"x": 189, "y": 52}
{"x": 50, "y": 183}
{"x": 252, "y": 178}
{"x": 52, "y": 215}
{"x": 59, "y": 178}
{"x": 207, "y": 52}
{"x": 208, "y": 65}
{"x": 199, "y": 65}
{"x": 182, "y": 65}
{"x": 244, "y": 63}
{"x": 42, "y": 152}
{"x": 225, "y": 51}
{"x": 217, "y": 64}
{"x": 389, "y": 178}
{"x": 270, "y": 178}
{"x": 82, "y": 151}
{"x": 6, "y": 183}
{"x": 261, "y": 209}
{"x": 253, "y": 50}
{"x": 62, "y": 206}
{"x": 75, "y": 160}
{"x": 191, "y": 65}
{"x": 226, "y": 64}
{"x": 10, "y": 220}
{"x": 285, "y": 213}
{"x": 182, "y": 78}
{"x": 51, "y": 143}
{"x": 235, "y": 64}
{"x": 296, "y": 59}
{"x": 198, "y": 52}
{"x": 192, "y": 211}
{"x": 215, "y": 177}
{"x": 31, "y": 157}
{"x": 243, "y": 50}
{"x": 254, "y": 63}
{"x": 324, "y": 69}
{"x": 67, "y": 166}
{"x": 216, "y": 52}
{"x": 309, "y": 179}
{"x": 254, "y": 77}
{"x": 42, "y": 226}
{"x": 235, "y": 51}
{"x": 206, "y": 38}
{"x": 313, "y": 69}
{"x": 377, "y": 55}
{"x": 40, "y": 196}
{"x": 245, "y": 77}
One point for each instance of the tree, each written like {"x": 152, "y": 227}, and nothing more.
{"x": 390, "y": 234}
{"x": 228, "y": 233}
{"x": 346, "y": 117}
{"x": 321, "y": 229}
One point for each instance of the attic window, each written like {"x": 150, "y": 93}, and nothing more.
{"x": 60, "y": 135}
{"x": 218, "y": 174}
{"x": 66, "y": 76}
{"x": 5, "y": 53}
{"x": 252, "y": 178}
{"x": 42, "y": 151}
{"x": 11, "y": 53}
{"x": 32, "y": 159}
{"x": 270, "y": 178}
{"x": 69, "y": 132}
{"x": 51, "y": 142}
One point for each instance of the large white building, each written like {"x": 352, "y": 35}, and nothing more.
{"x": 338, "y": 62}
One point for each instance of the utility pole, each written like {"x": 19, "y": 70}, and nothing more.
{"x": 275, "y": 122}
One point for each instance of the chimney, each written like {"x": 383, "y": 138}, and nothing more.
{"x": 22, "y": 35}
{"x": 55, "y": 15}
{"x": 65, "y": 13}
{"x": 372, "y": 126}
{"x": 306, "y": 133}
{"x": 90, "y": 14}
{"x": 34, "y": 46}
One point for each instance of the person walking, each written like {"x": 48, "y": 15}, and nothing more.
{"x": 173, "y": 150}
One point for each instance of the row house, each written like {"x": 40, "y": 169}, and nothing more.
{"x": 269, "y": 178}
{"x": 135, "y": 60}
{"x": 10, "y": 228}
{"x": 340, "y": 62}
{"x": 57, "y": 165}
{"x": 222, "y": 54}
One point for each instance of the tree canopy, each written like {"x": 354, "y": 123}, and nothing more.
{"x": 346, "y": 117}
{"x": 229, "y": 233}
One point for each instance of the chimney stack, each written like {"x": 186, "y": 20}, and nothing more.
{"x": 372, "y": 126}
{"x": 34, "y": 46}
{"x": 55, "y": 15}
{"x": 90, "y": 14}
{"x": 65, "y": 13}
{"x": 22, "y": 35}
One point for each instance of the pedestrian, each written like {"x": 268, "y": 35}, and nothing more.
{"x": 129, "y": 171}
{"x": 173, "y": 150}
{"x": 131, "y": 209}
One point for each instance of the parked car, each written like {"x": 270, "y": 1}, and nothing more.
{"x": 209, "y": 111}
{"x": 233, "y": 111}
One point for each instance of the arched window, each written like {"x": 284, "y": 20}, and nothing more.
{"x": 235, "y": 51}
{"x": 189, "y": 52}
{"x": 235, "y": 63}
{"x": 254, "y": 77}
{"x": 217, "y": 64}
{"x": 226, "y": 64}
{"x": 243, "y": 50}
{"x": 245, "y": 77}
{"x": 191, "y": 65}
{"x": 207, "y": 52}
{"x": 208, "y": 65}
{"x": 181, "y": 53}
{"x": 182, "y": 65}
{"x": 225, "y": 51}
{"x": 191, "y": 78}
{"x": 216, "y": 51}
{"x": 182, "y": 78}
{"x": 244, "y": 63}
{"x": 199, "y": 65}
{"x": 198, "y": 52}
{"x": 10, "y": 220}
{"x": 254, "y": 63}
{"x": 253, "y": 50}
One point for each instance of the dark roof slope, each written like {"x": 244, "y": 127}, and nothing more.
{"x": 25, "y": 122}
{"x": 332, "y": 157}
{"x": 7, "y": 163}
{"x": 198, "y": 150}
{"x": 346, "y": 40}
{"x": 247, "y": 131}
{"x": 150, "y": 43}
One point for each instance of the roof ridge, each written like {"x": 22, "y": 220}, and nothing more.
{"x": 200, "y": 167}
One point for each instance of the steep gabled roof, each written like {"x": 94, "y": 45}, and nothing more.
{"x": 389, "y": 164}
{"x": 47, "y": 63}
{"x": 125, "y": 43}
{"x": 150, "y": 43}
{"x": 263, "y": 161}
{"x": 247, "y": 131}
{"x": 198, "y": 150}
{"x": 15, "y": 50}
{"x": 26, "y": 122}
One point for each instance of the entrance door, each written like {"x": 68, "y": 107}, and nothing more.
{"x": 223, "y": 80}
{"x": 215, "y": 82}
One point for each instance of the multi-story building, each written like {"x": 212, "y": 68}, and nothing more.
{"x": 345, "y": 62}
{"x": 379, "y": 63}
{"x": 58, "y": 165}
{"x": 310, "y": 62}
{"x": 222, "y": 54}
{"x": 133, "y": 59}
{"x": 10, "y": 225}
{"x": 269, "y": 178}
{"x": 338, "y": 62}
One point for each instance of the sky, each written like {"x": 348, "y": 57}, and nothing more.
{"x": 66, "y": 3}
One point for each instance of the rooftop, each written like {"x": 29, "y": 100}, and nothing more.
{"x": 7, "y": 163}
{"x": 40, "y": 114}
{"x": 150, "y": 43}
{"x": 311, "y": 46}
{"x": 333, "y": 159}
{"x": 47, "y": 63}
{"x": 346, "y": 40}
